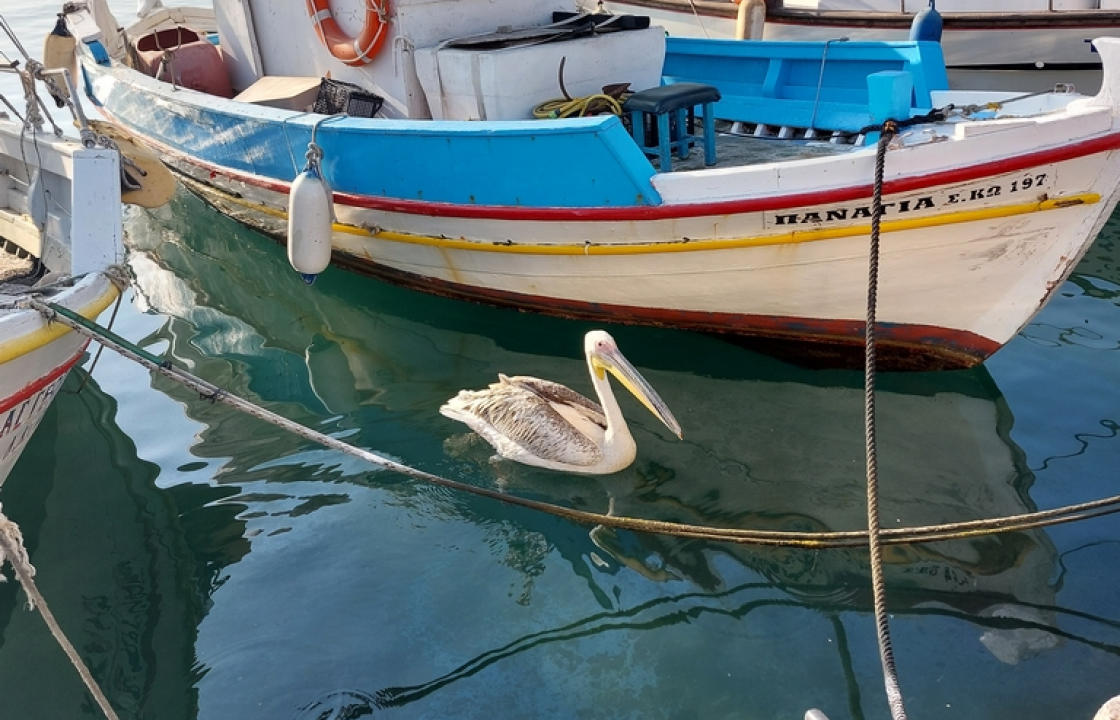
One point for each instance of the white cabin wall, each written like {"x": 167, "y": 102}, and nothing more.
{"x": 288, "y": 45}
{"x": 239, "y": 46}
{"x": 430, "y": 22}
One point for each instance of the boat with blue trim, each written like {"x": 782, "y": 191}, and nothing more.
{"x": 726, "y": 188}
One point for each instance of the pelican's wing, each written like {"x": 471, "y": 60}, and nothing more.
{"x": 554, "y": 392}
{"x": 520, "y": 423}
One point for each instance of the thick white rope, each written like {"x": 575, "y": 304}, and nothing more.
{"x": 13, "y": 551}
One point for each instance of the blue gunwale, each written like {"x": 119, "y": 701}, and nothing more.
{"x": 570, "y": 163}
{"x": 578, "y": 162}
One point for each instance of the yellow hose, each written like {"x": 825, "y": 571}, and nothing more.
{"x": 598, "y": 104}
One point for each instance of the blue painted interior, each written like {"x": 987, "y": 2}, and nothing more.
{"x": 100, "y": 55}
{"x": 776, "y": 83}
{"x": 889, "y": 93}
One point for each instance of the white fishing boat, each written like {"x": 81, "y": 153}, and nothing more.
{"x": 1005, "y": 44}
{"x": 60, "y": 231}
{"x": 430, "y": 170}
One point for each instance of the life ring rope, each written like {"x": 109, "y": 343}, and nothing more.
{"x": 354, "y": 51}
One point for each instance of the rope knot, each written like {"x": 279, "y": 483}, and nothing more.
{"x": 118, "y": 275}
{"x": 88, "y": 137}
{"x": 381, "y": 10}
{"x": 13, "y": 551}
{"x": 314, "y": 155}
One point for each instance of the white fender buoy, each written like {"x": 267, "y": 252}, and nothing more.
{"x": 310, "y": 215}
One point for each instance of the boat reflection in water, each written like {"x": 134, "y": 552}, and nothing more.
{"x": 123, "y": 564}
{"x": 363, "y": 589}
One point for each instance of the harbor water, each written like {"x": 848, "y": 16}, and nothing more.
{"x": 208, "y": 565}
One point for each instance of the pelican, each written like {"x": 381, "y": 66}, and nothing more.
{"x": 543, "y": 423}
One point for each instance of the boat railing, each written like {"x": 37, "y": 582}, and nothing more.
{"x": 60, "y": 86}
{"x": 58, "y": 83}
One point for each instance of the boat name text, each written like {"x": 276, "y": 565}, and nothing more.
{"x": 21, "y": 420}
{"x": 1033, "y": 182}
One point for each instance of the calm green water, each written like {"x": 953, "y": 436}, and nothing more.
{"x": 210, "y": 566}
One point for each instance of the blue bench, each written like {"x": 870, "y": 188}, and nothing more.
{"x": 819, "y": 85}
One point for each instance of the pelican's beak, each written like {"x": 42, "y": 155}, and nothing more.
{"x": 613, "y": 361}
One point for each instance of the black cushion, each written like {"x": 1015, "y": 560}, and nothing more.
{"x": 662, "y": 99}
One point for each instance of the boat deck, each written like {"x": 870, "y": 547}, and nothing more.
{"x": 12, "y": 266}
{"x": 736, "y": 147}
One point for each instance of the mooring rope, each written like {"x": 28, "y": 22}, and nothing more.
{"x": 13, "y": 551}
{"x": 783, "y": 538}
{"x": 878, "y": 585}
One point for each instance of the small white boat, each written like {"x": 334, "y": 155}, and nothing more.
{"x": 440, "y": 178}
{"x": 1000, "y": 44}
{"x": 60, "y": 230}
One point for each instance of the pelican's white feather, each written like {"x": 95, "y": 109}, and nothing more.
{"x": 543, "y": 423}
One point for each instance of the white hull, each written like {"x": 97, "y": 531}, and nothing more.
{"x": 35, "y": 357}
{"x": 1007, "y": 240}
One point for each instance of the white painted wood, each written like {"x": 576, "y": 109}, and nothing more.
{"x": 79, "y": 234}
{"x": 240, "y": 53}
{"x": 507, "y": 83}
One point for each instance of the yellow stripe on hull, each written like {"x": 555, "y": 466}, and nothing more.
{"x": 788, "y": 238}
{"x": 24, "y": 344}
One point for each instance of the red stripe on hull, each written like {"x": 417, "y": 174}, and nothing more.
{"x": 29, "y": 391}
{"x": 805, "y": 341}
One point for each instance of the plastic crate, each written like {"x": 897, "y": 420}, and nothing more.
{"x": 336, "y": 96}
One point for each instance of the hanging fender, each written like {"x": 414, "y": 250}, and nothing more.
{"x": 310, "y": 213}
{"x": 350, "y": 50}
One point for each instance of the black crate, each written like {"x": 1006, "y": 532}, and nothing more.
{"x": 336, "y": 97}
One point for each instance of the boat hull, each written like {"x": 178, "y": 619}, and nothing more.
{"x": 803, "y": 288}
{"x": 979, "y": 229}
{"x": 35, "y": 357}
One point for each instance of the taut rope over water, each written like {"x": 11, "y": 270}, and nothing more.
{"x": 742, "y": 536}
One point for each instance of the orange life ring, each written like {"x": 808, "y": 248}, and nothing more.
{"x": 351, "y": 50}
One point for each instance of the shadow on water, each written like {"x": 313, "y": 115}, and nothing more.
{"x": 767, "y": 445}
